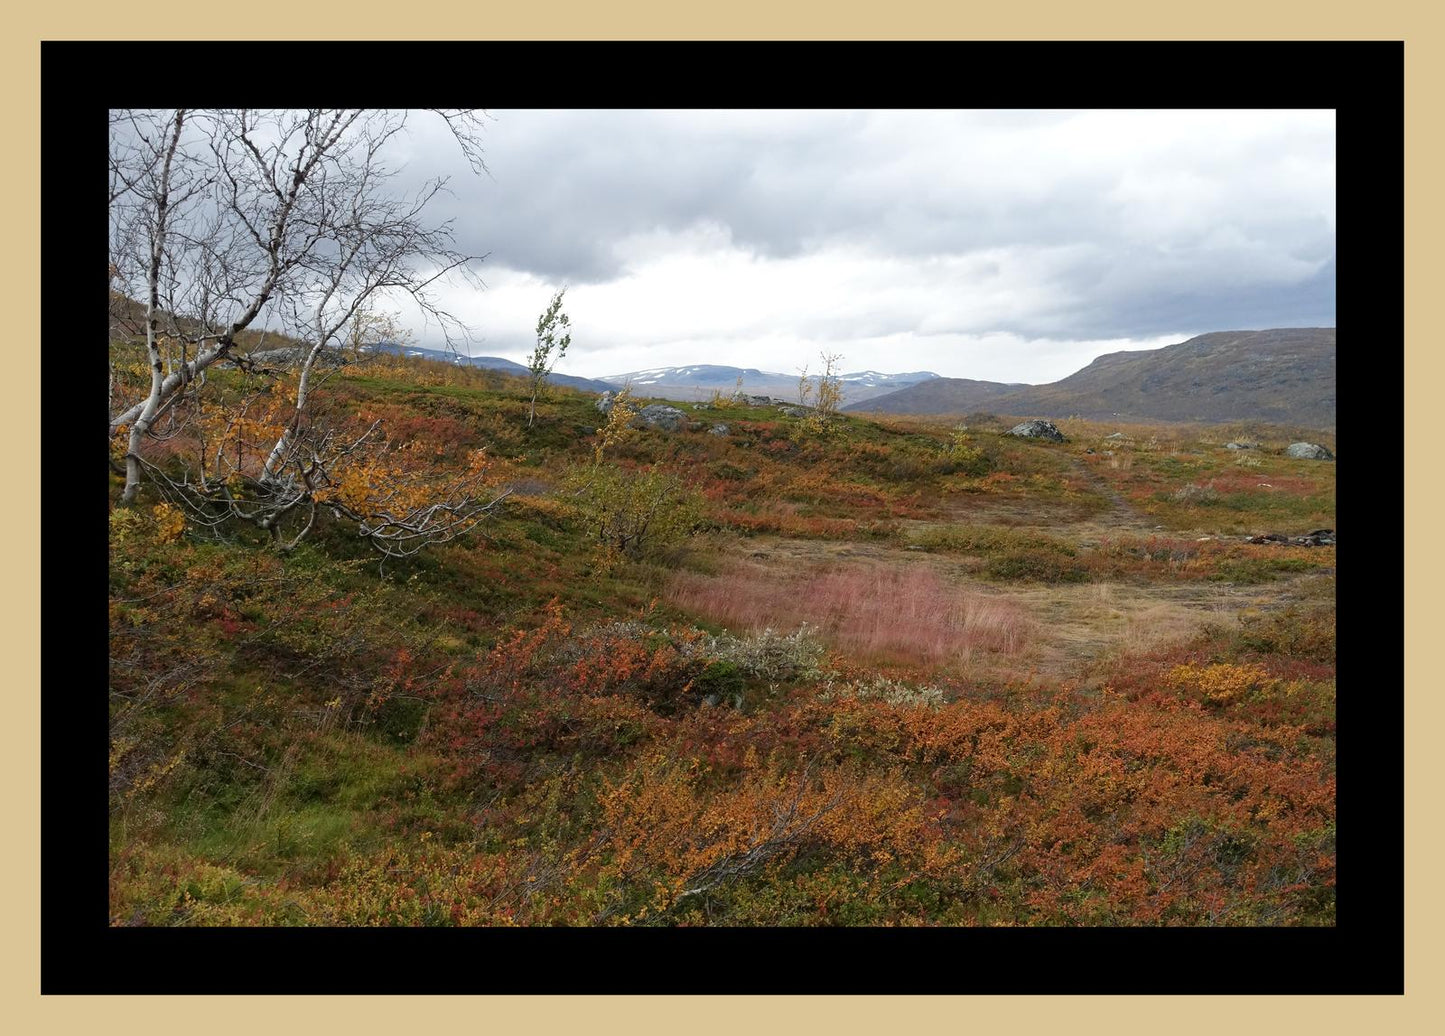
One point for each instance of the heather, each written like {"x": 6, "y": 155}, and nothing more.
{"x": 856, "y": 672}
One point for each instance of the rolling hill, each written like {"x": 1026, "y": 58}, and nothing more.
{"x": 1284, "y": 375}
{"x": 496, "y": 363}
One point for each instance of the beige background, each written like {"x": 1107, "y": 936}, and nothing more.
{"x": 24, "y": 1011}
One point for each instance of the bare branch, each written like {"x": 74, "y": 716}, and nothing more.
{"x": 283, "y": 221}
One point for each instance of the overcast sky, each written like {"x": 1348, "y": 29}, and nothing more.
{"x": 1000, "y": 245}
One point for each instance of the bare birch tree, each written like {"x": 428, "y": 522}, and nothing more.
{"x": 286, "y": 222}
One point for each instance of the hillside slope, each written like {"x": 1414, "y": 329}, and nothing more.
{"x": 495, "y": 363}
{"x": 1284, "y": 375}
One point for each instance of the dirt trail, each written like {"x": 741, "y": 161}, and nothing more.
{"x": 1082, "y": 521}
{"x": 1121, "y": 514}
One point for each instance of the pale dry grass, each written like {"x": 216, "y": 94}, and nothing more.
{"x": 872, "y": 598}
{"x": 1082, "y": 624}
{"x": 872, "y": 609}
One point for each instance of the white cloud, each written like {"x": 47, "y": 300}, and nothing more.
{"x": 1003, "y": 245}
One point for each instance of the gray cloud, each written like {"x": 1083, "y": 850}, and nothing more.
{"x": 1089, "y": 225}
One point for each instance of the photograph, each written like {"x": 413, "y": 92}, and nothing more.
{"x": 702, "y": 517}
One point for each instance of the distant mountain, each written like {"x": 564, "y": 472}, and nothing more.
{"x": 496, "y": 363}
{"x": 939, "y": 396}
{"x": 702, "y": 380}
{"x": 1281, "y": 376}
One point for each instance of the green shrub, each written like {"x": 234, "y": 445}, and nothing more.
{"x": 719, "y": 677}
{"x": 637, "y": 514}
{"x": 1044, "y": 566}
{"x": 989, "y": 539}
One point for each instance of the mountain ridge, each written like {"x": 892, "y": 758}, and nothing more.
{"x": 1277, "y": 375}
{"x": 497, "y": 363}
{"x": 699, "y": 381}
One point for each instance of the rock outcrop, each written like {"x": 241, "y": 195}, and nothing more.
{"x": 1308, "y": 451}
{"x": 1318, "y": 538}
{"x": 1037, "y": 430}
{"x": 660, "y": 415}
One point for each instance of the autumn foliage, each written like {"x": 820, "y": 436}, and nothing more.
{"x": 833, "y": 685}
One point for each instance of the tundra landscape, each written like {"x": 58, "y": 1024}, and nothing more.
{"x": 401, "y": 637}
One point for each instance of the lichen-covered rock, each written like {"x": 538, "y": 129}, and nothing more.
{"x": 1242, "y": 445}
{"x": 660, "y": 415}
{"x": 1308, "y": 451}
{"x": 792, "y": 411}
{"x": 295, "y": 354}
{"x": 718, "y": 429}
{"x": 604, "y": 402}
{"x": 1038, "y": 430}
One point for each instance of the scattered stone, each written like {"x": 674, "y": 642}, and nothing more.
{"x": 792, "y": 411}
{"x": 1037, "y": 430}
{"x": 1317, "y": 538}
{"x": 718, "y": 429}
{"x": 1116, "y": 435}
{"x": 660, "y": 415}
{"x": 743, "y": 397}
{"x": 702, "y": 406}
{"x": 1309, "y": 451}
{"x": 1243, "y": 444}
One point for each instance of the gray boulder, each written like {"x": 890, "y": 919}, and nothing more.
{"x": 1037, "y": 430}
{"x": 792, "y": 411}
{"x": 1244, "y": 445}
{"x": 1308, "y": 451}
{"x": 604, "y": 402}
{"x": 660, "y": 415}
{"x": 285, "y": 357}
{"x": 718, "y": 429}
